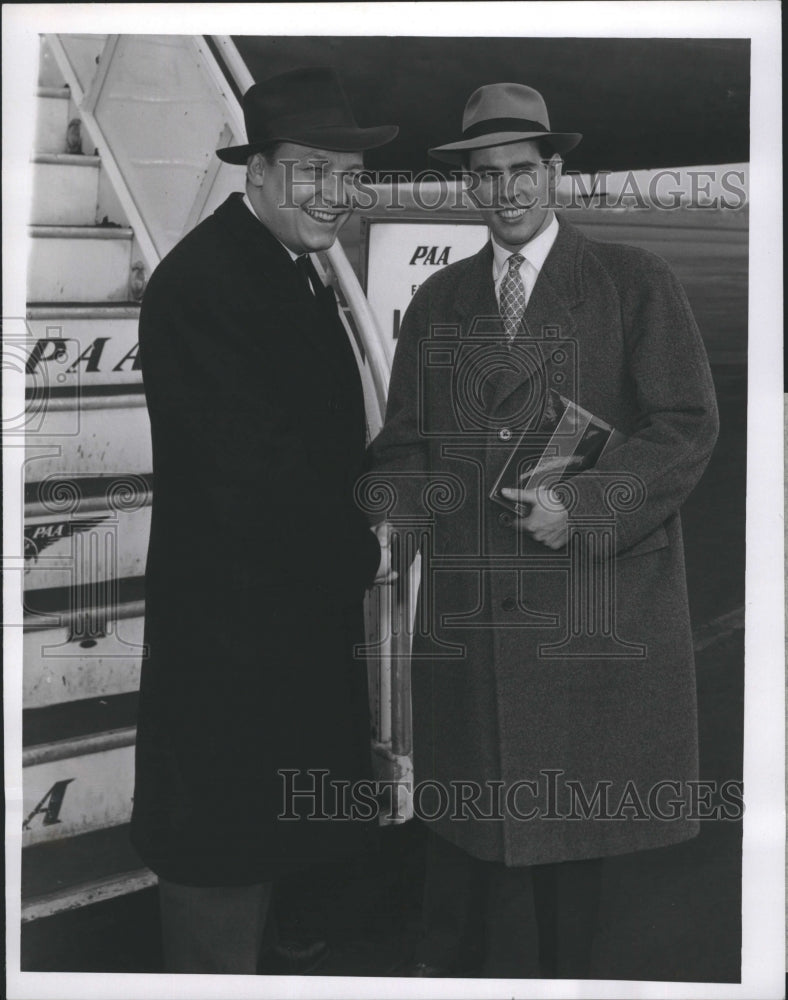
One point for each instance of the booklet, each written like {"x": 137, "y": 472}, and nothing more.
{"x": 576, "y": 440}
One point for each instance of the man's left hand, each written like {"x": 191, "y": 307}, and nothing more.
{"x": 547, "y": 524}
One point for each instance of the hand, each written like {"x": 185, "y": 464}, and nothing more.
{"x": 385, "y": 574}
{"x": 547, "y": 524}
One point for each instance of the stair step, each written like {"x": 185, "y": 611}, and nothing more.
{"x": 68, "y": 549}
{"x": 65, "y": 190}
{"x": 79, "y": 264}
{"x": 78, "y": 762}
{"x": 106, "y": 432}
{"x": 87, "y": 494}
{"x": 84, "y": 310}
{"x": 87, "y": 232}
{"x": 46, "y": 730}
{"x": 79, "y": 786}
{"x": 69, "y": 750}
{"x": 77, "y": 871}
{"x": 54, "y": 93}
{"x": 54, "y": 607}
{"x": 105, "y": 336}
{"x": 52, "y": 117}
{"x": 67, "y": 160}
{"x": 61, "y": 668}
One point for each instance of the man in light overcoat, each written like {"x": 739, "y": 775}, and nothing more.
{"x": 554, "y": 702}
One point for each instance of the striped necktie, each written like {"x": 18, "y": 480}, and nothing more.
{"x": 512, "y": 303}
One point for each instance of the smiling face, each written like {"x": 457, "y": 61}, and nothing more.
{"x": 303, "y": 195}
{"x": 513, "y": 186}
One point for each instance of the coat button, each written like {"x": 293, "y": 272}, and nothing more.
{"x": 505, "y": 434}
{"x": 508, "y": 604}
{"x": 506, "y": 519}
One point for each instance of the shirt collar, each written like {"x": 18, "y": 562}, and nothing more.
{"x": 247, "y": 202}
{"x": 535, "y": 251}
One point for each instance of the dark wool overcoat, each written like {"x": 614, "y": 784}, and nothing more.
{"x": 257, "y": 564}
{"x": 554, "y": 693}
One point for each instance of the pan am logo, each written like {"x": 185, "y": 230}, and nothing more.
{"x": 40, "y": 536}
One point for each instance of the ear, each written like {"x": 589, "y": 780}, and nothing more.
{"x": 255, "y": 169}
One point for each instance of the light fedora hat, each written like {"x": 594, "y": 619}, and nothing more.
{"x": 501, "y": 113}
{"x": 307, "y": 107}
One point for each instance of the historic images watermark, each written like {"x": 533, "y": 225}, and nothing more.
{"x": 551, "y": 795}
{"x": 539, "y": 436}
{"x": 710, "y": 188}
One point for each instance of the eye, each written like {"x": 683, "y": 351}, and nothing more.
{"x": 483, "y": 176}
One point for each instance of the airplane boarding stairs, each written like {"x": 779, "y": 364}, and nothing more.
{"x": 123, "y": 166}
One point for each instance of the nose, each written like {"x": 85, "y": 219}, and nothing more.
{"x": 334, "y": 189}
{"x": 515, "y": 189}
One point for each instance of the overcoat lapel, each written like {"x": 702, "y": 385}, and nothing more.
{"x": 558, "y": 290}
{"x": 308, "y": 316}
{"x": 476, "y": 302}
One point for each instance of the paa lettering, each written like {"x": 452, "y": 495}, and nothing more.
{"x": 56, "y": 349}
{"x": 430, "y": 255}
{"x": 49, "y": 531}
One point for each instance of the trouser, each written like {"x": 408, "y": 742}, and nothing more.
{"x": 527, "y": 922}
{"x": 213, "y": 929}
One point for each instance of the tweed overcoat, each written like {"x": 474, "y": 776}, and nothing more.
{"x": 257, "y": 563}
{"x": 554, "y": 699}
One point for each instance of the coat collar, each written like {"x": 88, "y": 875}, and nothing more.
{"x": 562, "y": 271}
{"x": 558, "y": 290}
{"x": 313, "y": 318}
{"x": 272, "y": 258}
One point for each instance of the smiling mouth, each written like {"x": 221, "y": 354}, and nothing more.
{"x": 510, "y": 214}
{"x": 325, "y": 218}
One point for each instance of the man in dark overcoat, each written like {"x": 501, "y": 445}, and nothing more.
{"x": 554, "y": 704}
{"x": 258, "y": 558}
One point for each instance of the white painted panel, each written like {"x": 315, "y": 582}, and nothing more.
{"x": 78, "y": 270}
{"x": 65, "y": 194}
{"x": 64, "y": 550}
{"x": 51, "y": 124}
{"x": 229, "y": 178}
{"x": 98, "y": 794}
{"x": 48, "y": 73}
{"x": 58, "y": 670}
{"x": 162, "y": 118}
{"x": 83, "y": 53}
{"x": 107, "y": 345}
{"x": 90, "y": 442}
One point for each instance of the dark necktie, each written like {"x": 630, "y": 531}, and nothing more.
{"x": 309, "y": 274}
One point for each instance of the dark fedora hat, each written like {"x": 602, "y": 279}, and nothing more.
{"x": 501, "y": 113}
{"x": 305, "y": 106}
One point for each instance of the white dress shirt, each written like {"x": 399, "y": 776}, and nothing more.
{"x": 293, "y": 256}
{"x": 535, "y": 253}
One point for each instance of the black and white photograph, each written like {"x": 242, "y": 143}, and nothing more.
{"x": 393, "y": 423}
